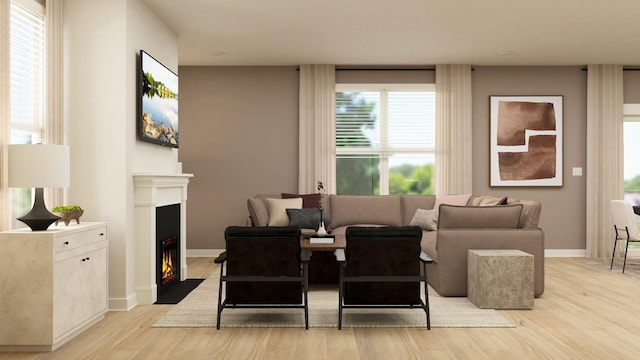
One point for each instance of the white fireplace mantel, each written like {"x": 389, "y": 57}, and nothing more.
{"x": 151, "y": 191}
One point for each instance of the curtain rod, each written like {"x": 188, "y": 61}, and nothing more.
{"x": 623, "y": 69}
{"x": 382, "y": 69}
{"x": 386, "y": 69}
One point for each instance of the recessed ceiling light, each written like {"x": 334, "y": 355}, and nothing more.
{"x": 217, "y": 53}
{"x": 505, "y": 53}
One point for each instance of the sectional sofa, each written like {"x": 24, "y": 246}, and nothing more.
{"x": 451, "y": 226}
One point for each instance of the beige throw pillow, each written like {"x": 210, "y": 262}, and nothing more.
{"x": 488, "y": 200}
{"x": 460, "y": 200}
{"x": 278, "y": 210}
{"x": 426, "y": 219}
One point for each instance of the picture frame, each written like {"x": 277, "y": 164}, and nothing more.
{"x": 526, "y": 140}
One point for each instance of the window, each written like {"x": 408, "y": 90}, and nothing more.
{"x": 385, "y": 138}
{"x": 27, "y": 85}
{"x": 631, "y": 151}
{"x": 631, "y": 163}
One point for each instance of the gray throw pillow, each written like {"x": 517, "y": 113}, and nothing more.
{"x": 425, "y": 219}
{"x": 308, "y": 218}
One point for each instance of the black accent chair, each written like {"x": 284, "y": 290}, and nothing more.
{"x": 265, "y": 269}
{"x": 381, "y": 268}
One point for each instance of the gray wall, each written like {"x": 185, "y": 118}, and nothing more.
{"x": 563, "y": 208}
{"x": 239, "y": 137}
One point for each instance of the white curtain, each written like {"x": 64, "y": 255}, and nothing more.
{"x": 453, "y": 130}
{"x": 317, "y": 141}
{"x": 605, "y": 116}
{"x": 54, "y": 122}
{"x": 5, "y": 213}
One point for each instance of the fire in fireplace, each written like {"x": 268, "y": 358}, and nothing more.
{"x": 169, "y": 260}
{"x": 167, "y": 247}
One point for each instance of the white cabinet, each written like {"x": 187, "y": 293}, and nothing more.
{"x": 53, "y": 284}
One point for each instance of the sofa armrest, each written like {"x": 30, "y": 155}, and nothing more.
{"x": 452, "y": 246}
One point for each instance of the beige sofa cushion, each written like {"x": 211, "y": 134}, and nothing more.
{"x": 488, "y": 200}
{"x": 358, "y": 209}
{"x": 258, "y": 211}
{"x": 460, "y": 199}
{"x": 530, "y": 212}
{"x": 479, "y": 217}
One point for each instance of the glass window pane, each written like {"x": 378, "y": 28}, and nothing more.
{"x": 631, "y": 163}
{"x": 411, "y": 174}
{"x": 358, "y": 175}
{"x": 357, "y": 119}
{"x": 412, "y": 116}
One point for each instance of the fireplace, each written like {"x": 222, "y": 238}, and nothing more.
{"x": 153, "y": 191}
{"x": 167, "y": 247}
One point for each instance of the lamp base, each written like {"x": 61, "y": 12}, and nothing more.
{"x": 39, "y": 218}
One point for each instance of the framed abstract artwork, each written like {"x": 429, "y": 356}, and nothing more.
{"x": 526, "y": 140}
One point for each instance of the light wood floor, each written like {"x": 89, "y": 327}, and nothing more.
{"x": 585, "y": 313}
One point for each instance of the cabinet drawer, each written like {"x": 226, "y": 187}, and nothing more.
{"x": 79, "y": 239}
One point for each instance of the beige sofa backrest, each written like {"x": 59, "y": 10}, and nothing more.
{"x": 363, "y": 210}
{"x": 391, "y": 210}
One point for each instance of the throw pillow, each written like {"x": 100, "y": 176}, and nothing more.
{"x": 460, "y": 200}
{"x": 530, "y": 212}
{"x": 488, "y": 200}
{"x": 308, "y": 200}
{"x": 308, "y": 218}
{"x": 277, "y": 210}
{"x": 426, "y": 219}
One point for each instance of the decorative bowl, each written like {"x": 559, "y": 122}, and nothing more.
{"x": 66, "y": 217}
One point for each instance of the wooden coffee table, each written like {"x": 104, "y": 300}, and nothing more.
{"x": 323, "y": 267}
{"x": 339, "y": 243}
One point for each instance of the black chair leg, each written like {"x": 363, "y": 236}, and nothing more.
{"x": 426, "y": 297}
{"x": 340, "y": 289}
{"x": 306, "y": 300}
{"x": 624, "y": 264}
{"x": 615, "y": 242}
{"x": 219, "y": 298}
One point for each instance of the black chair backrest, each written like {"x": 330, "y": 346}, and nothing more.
{"x": 380, "y": 252}
{"x": 265, "y": 251}
{"x": 261, "y": 252}
{"x": 383, "y": 251}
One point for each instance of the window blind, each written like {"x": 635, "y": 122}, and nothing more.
{"x": 27, "y": 72}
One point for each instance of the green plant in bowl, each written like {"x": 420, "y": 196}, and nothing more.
{"x": 68, "y": 213}
{"x": 66, "y": 208}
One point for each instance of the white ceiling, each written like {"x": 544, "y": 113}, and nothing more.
{"x": 403, "y": 32}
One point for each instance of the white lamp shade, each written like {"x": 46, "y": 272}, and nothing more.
{"x": 38, "y": 166}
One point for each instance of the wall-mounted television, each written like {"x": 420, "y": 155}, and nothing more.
{"x": 158, "y": 95}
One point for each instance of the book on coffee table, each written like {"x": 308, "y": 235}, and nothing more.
{"x": 327, "y": 239}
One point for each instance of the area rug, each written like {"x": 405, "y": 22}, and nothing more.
{"x": 198, "y": 309}
{"x": 632, "y": 269}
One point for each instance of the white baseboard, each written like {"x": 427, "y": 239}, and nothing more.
{"x": 204, "y": 252}
{"x": 565, "y": 252}
{"x": 123, "y": 304}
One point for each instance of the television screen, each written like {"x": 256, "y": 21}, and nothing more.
{"x": 158, "y": 122}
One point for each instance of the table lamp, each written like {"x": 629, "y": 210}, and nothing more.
{"x": 38, "y": 166}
